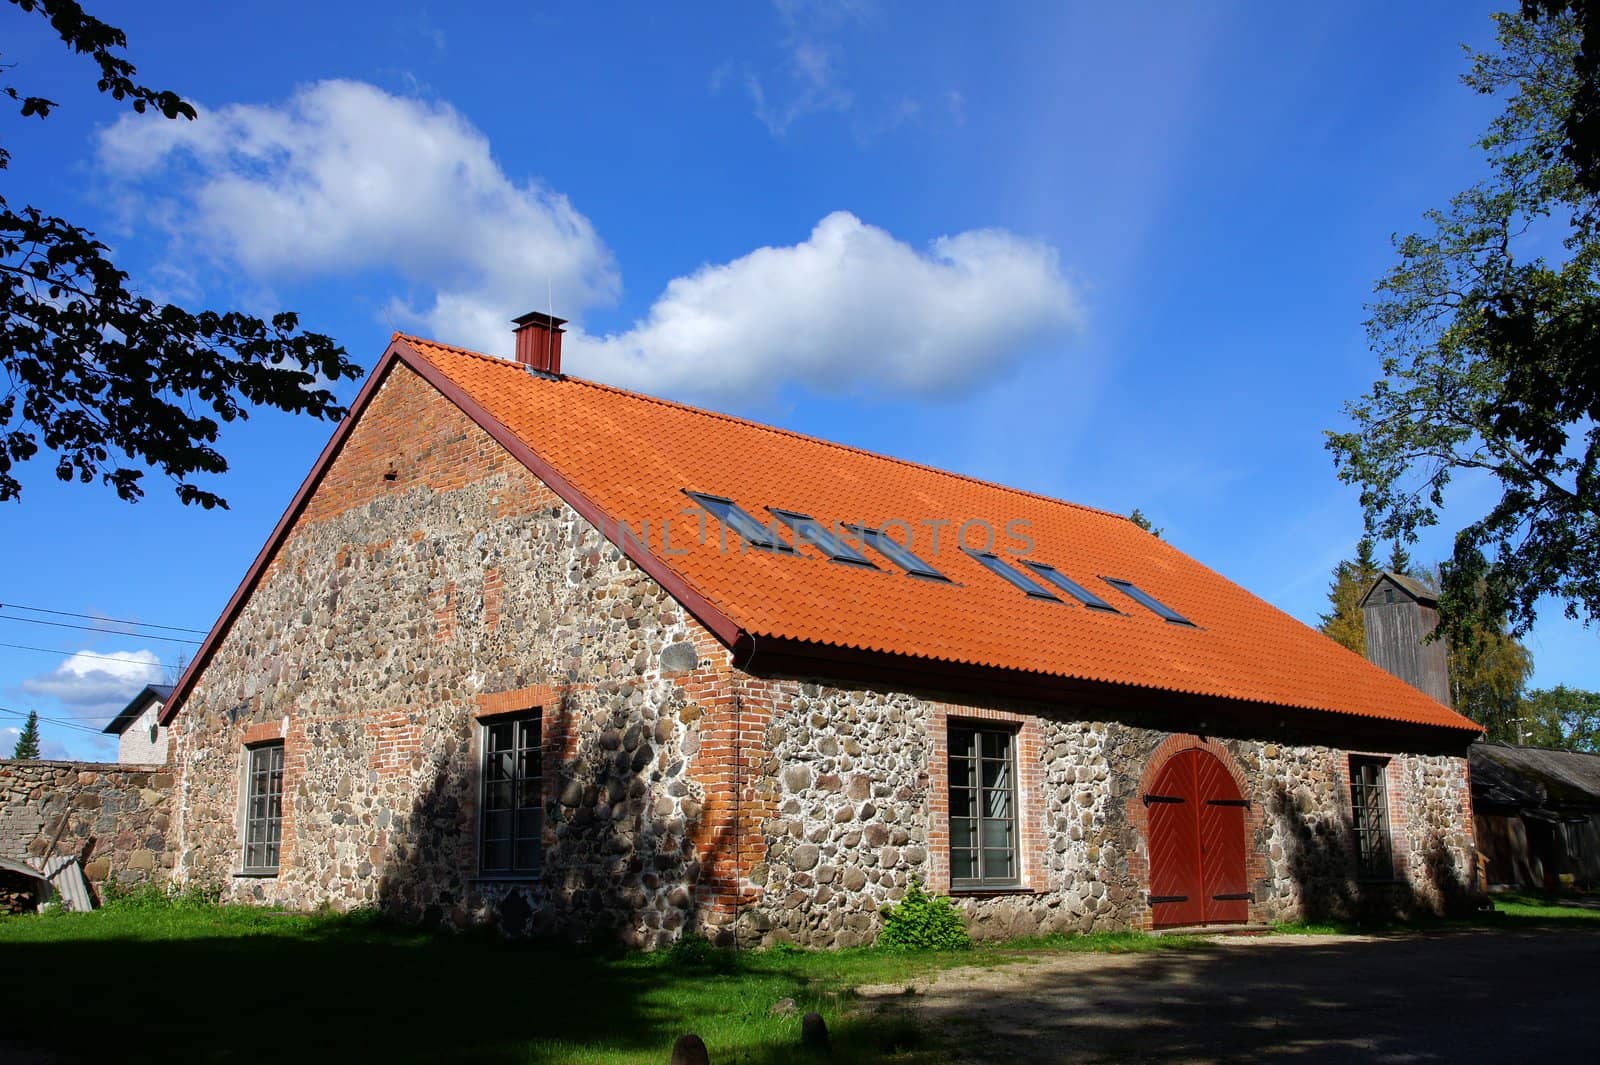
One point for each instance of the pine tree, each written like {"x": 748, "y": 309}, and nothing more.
{"x": 28, "y": 738}
{"x": 1400, "y": 560}
{"x": 1351, "y": 579}
{"x": 1138, "y": 518}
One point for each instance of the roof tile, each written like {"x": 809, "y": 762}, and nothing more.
{"x": 634, "y": 455}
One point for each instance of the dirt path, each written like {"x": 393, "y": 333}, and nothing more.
{"x": 1459, "y": 996}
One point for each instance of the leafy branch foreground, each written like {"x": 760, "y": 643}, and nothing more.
{"x": 355, "y": 987}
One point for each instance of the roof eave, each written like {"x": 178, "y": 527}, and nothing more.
{"x": 766, "y": 655}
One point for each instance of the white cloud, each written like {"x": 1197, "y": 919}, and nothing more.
{"x": 850, "y": 306}
{"x": 344, "y": 177}
{"x": 806, "y": 81}
{"x": 93, "y": 685}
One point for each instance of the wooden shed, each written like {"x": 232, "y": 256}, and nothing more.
{"x": 1537, "y": 815}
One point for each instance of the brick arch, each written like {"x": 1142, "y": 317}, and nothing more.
{"x": 1138, "y": 818}
{"x": 1186, "y": 741}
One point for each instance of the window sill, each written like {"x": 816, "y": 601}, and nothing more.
{"x": 255, "y": 874}
{"x": 992, "y": 892}
{"x": 505, "y": 878}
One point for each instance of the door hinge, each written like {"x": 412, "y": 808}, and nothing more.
{"x": 1168, "y": 898}
{"x": 1149, "y": 798}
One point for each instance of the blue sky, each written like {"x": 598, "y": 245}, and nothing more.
{"x": 1114, "y": 253}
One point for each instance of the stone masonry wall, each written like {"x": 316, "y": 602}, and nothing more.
{"x": 431, "y": 583}
{"x": 118, "y": 817}
{"x": 861, "y": 811}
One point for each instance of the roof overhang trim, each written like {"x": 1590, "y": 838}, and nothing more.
{"x": 399, "y": 351}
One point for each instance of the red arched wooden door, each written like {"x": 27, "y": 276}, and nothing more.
{"x": 1197, "y": 843}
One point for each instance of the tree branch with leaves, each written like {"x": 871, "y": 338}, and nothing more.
{"x": 1486, "y": 331}
{"x": 112, "y": 383}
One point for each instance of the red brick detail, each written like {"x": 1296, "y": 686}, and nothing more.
{"x": 1396, "y": 792}
{"x": 409, "y": 437}
{"x": 492, "y": 704}
{"x": 444, "y": 613}
{"x": 1138, "y": 819}
{"x": 294, "y": 769}
{"x": 733, "y": 770}
{"x": 493, "y": 597}
{"x": 1033, "y": 842}
{"x": 265, "y": 732}
{"x": 395, "y": 739}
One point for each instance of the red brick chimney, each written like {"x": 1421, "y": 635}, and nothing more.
{"x": 539, "y": 341}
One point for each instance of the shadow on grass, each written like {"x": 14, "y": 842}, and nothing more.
{"x": 211, "y": 984}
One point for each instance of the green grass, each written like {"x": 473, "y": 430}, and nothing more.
{"x": 1509, "y": 910}
{"x": 187, "y": 980}
{"x": 1528, "y": 907}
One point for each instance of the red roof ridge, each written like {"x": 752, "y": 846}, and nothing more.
{"x": 779, "y": 430}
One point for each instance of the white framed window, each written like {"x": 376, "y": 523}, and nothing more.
{"x": 263, "y": 808}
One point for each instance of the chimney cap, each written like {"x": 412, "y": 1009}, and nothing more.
{"x": 548, "y": 321}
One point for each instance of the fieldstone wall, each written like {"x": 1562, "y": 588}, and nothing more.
{"x": 118, "y": 817}
{"x": 432, "y": 583}
{"x": 861, "y": 780}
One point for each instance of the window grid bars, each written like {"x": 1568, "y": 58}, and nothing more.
{"x": 512, "y": 820}
{"x": 1370, "y": 805}
{"x": 264, "y": 809}
{"x": 992, "y": 800}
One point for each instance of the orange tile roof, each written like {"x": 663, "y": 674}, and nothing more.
{"x": 633, "y": 456}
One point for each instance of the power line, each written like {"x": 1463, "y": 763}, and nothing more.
{"x": 94, "y": 617}
{"x": 91, "y": 628}
{"x": 86, "y": 654}
{"x": 52, "y": 720}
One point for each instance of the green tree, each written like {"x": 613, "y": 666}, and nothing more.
{"x": 1562, "y": 717}
{"x": 109, "y": 381}
{"x": 28, "y": 738}
{"x": 1487, "y": 677}
{"x": 1582, "y": 123}
{"x": 1486, "y": 340}
{"x": 1399, "y": 559}
{"x": 1138, "y": 518}
{"x": 1488, "y": 666}
{"x": 1351, "y": 578}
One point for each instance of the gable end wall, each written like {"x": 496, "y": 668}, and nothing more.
{"x": 429, "y": 581}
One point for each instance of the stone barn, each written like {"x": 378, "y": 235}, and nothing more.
{"x": 537, "y": 652}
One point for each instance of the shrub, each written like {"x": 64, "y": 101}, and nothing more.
{"x": 694, "y": 952}
{"x": 920, "y": 921}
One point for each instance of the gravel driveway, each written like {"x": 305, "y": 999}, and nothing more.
{"x": 1467, "y": 996}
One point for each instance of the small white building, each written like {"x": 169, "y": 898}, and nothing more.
{"x": 142, "y": 739}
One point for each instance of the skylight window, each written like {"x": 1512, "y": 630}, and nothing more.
{"x": 890, "y": 549}
{"x": 733, "y": 517}
{"x": 1144, "y": 598}
{"x": 1004, "y": 569}
{"x": 811, "y": 531}
{"x": 1070, "y": 586}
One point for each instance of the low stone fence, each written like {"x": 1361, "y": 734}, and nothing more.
{"x": 117, "y": 816}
